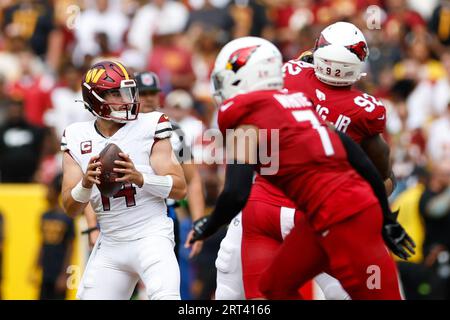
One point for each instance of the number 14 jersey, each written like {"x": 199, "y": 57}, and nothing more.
{"x": 131, "y": 213}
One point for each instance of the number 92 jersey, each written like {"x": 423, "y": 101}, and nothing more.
{"x": 358, "y": 114}
{"x": 312, "y": 162}
{"x": 131, "y": 213}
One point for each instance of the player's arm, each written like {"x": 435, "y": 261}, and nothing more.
{"x": 238, "y": 183}
{"x": 195, "y": 195}
{"x": 196, "y": 202}
{"x": 93, "y": 230}
{"x": 168, "y": 180}
{"x": 378, "y": 151}
{"x": 394, "y": 235}
{"x": 76, "y": 186}
{"x": 169, "y": 174}
{"x": 91, "y": 218}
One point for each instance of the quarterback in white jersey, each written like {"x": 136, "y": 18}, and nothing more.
{"x": 136, "y": 240}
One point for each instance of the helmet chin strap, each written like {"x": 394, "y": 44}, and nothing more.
{"x": 86, "y": 105}
{"x": 89, "y": 108}
{"x": 113, "y": 113}
{"x": 119, "y": 116}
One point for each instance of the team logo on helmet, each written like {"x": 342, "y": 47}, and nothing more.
{"x": 359, "y": 49}
{"x": 93, "y": 75}
{"x": 321, "y": 42}
{"x": 240, "y": 57}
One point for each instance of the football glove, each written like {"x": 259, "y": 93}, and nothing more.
{"x": 200, "y": 229}
{"x": 396, "y": 238}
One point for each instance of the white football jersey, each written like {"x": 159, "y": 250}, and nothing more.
{"x": 131, "y": 213}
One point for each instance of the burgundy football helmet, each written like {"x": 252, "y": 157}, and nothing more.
{"x": 110, "y": 92}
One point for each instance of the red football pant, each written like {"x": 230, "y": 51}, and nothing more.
{"x": 263, "y": 228}
{"x": 353, "y": 251}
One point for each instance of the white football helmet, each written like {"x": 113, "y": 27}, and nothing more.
{"x": 244, "y": 65}
{"x": 339, "y": 54}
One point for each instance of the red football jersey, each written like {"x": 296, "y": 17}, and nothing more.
{"x": 354, "y": 112}
{"x": 264, "y": 191}
{"x": 313, "y": 169}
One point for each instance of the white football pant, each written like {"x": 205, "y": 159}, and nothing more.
{"x": 115, "y": 267}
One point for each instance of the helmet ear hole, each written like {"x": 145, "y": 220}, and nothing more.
{"x": 236, "y": 83}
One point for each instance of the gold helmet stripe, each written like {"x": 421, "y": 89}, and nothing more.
{"x": 98, "y": 75}
{"x": 123, "y": 70}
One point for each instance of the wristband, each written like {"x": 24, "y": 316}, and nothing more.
{"x": 80, "y": 193}
{"x": 88, "y": 231}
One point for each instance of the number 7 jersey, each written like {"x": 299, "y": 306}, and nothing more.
{"x": 313, "y": 170}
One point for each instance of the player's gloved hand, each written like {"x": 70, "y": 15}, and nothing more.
{"x": 202, "y": 229}
{"x": 396, "y": 238}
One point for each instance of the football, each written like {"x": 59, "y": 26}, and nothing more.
{"x": 108, "y": 186}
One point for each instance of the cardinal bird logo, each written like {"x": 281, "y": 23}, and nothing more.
{"x": 321, "y": 42}
{"x": 359, "y": 49}
{"x": 239, "y": 58}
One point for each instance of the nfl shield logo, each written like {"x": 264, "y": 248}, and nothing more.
{"x": 147, "y": 80}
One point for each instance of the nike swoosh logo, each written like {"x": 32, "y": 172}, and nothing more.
{"x": 381, "y": 118}
{"x": 226, "y": 106}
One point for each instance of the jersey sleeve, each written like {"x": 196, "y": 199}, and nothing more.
{"x": 70, "y": 144}
{"x": 181, "y": 149}
{"x": 67, "y": 143}
{"x": 372, "y": 119}
{"x": 64, "y": 146}
{"x": 231, "y": 114}
{"x": 375, "y": 123}
{"x": 163, "y": 128}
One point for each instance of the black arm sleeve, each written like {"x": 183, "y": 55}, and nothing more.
{"x": 362, "y": 164}
{"x": 238, "y": 184}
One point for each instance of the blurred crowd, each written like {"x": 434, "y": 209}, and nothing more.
{"x": 46, "y": 46}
